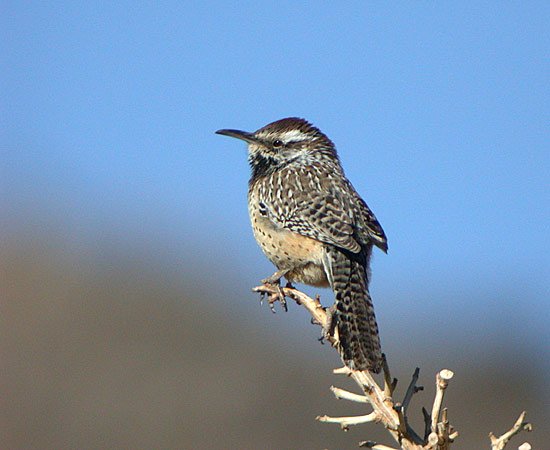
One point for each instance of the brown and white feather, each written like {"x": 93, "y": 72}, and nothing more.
{"x": 309, "y": 220}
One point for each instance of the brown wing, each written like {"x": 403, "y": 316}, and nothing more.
{"x": 313, "y": 206}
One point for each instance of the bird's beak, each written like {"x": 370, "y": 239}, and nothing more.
{"x": 243, "y": 135}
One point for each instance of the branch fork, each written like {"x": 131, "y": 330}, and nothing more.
{"x": 438, "y": 434}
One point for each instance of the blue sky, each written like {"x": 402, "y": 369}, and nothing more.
{"x": 439, "y": 111}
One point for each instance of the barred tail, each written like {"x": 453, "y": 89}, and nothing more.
{"x": 356, "y": 323}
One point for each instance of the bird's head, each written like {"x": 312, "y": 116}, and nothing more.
{"x": 282, "y": 142}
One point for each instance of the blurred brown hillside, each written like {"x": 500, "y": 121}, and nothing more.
{"x": 129, "y": 357}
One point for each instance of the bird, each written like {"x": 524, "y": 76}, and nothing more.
{"x": 315, "y": 228}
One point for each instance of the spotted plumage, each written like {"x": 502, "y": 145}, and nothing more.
{"x": 312, "y": 224}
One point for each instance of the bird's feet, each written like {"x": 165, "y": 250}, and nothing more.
{"x": 274, "y": 293}
{"x": 272, "y": 288}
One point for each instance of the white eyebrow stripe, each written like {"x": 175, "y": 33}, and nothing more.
{"x": 293, "y": 136}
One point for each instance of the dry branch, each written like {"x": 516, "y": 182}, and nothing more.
{"x": 520, "y": 425}
{"x": 438, "y": 433}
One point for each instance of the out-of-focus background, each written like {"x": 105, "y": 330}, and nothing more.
{"x": 127, "y": 319}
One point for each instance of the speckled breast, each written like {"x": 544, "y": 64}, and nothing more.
{"x": 288, "y": 250}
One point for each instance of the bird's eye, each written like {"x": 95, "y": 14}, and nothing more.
{"x": 278, "y": 143}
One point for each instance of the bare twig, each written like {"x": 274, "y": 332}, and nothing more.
{"x": 346, "y": 422}
{"x": 427, "y": 423}
{"x": 382, "y": 404}
{"x": 346, "y": 395}
{"x": 520, "y": 425}
{"x": 442, "y": 382}
{"x": 342, "y": 371}
{"x": 438, "y": 433}
{"x": 389, "y": 383}
{"x": 411, "y": 390}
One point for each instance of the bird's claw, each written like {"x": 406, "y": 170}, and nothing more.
{"x": 274, "y": 294}
{"x": 279, "y": 296}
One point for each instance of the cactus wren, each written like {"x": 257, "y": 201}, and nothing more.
{"x": 313, "y": 225}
